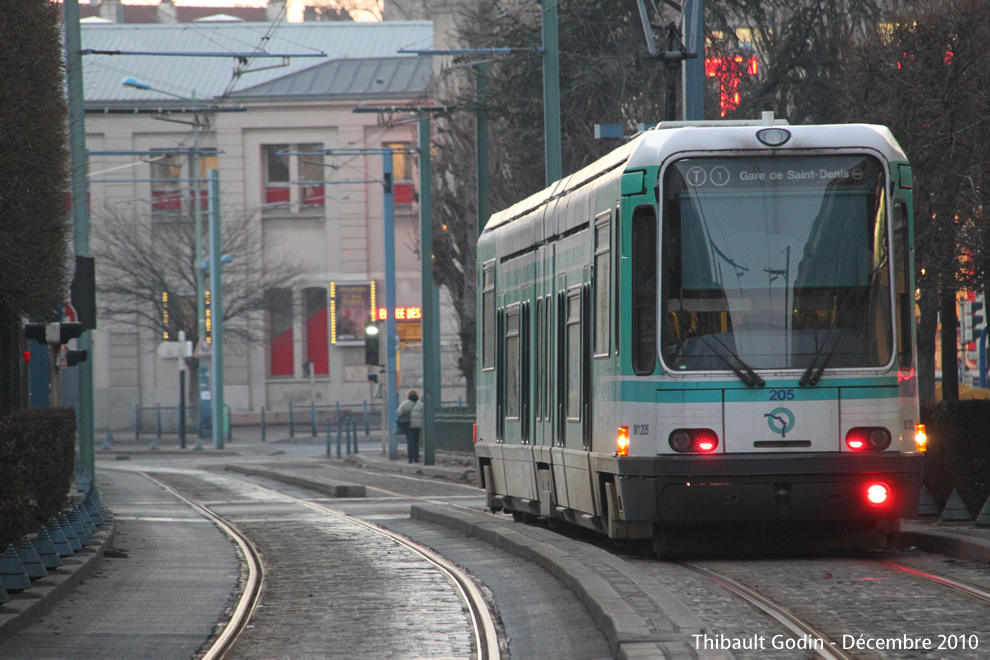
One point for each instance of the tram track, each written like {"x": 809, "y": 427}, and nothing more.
{"x": 975, "y": 592}
{"x": 797, "y": 627}
{"x": 482, "y": 621}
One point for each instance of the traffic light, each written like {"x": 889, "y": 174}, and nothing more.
{"x": 54, "y": 334}
{"x": 977, "y": 318}
{"x": 72, "y": 358}
{"x": 371, "y": 345}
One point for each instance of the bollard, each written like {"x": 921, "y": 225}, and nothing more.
{"x": 329, "y": 453}
{"x": 926, "y": 504}
{"x": 292, "y": 425}
{"x": 45, "y": 547}
{"x": 262, "y": 423}
{"x": 983, "y": 519}
{"x": 312, "y": 418}
{"x": 367, "y": 420}
{"x": 70, "y": 534}
{"x": 355, "y": 437}
{"x": 31, "y": 560}
{"x": 137, "y": 421}
{"x": 955, "y": 509}
{"x": 13, "y": 577}
{"x": 338, "y": 436}
{"x": 158, "y": 421}
{"x": 230, "y": 427}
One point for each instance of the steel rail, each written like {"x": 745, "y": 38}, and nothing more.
{"x": 252, "y": 586}
{"x": 482, "y": 621}
{"x": 796, "y": 626}
{"x": 976, "y": 592}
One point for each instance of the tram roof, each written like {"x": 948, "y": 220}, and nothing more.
{"x": 653, "y": 147}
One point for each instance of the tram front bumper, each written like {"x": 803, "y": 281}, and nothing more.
{"x": 808, "y": 487}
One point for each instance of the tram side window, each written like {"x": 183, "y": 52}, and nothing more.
{"x": 488, "y": 316}
{"x": 603, "y": 286}
{"x": 902, "y": 269}
{"x": 512, "y": 357}
{"x": 644, "y": 290}
{"x": 573, "y": 377}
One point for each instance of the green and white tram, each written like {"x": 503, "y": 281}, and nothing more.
{"x": 712, "y": 324}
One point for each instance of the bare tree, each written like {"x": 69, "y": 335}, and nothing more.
{"x": 923, "y": 76}
{"x": 146, "y": 271}
{"x": 345, "y": 10}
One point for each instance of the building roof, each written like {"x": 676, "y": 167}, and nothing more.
{"x": 357, "y": 57}
{"x": 404, "y": 77}
{"x": 137, "y": 14}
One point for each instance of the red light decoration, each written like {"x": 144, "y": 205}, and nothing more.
{"x": 729, "y": 71}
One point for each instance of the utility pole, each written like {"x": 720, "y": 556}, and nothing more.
{"x": 80, "y": 226}
{"x": 693, "y": 70}
{"x": 551, "y": 92}
{"x": 432, "y": 383}
{"x": 216, "y": 309}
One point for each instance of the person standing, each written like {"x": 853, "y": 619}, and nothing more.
{"x": 414, "y": 407}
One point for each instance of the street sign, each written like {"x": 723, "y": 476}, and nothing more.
{"x": 174, "y": 349}
{"x": 204, "y": 349}
{"x": 69, "y": 314}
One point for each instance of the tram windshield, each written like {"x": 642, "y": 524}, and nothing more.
{"x": 777, "y": 262}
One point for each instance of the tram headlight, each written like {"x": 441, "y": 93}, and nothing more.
{"x": 622, "y": 442}
{"x": 773, "y": 137}
{"x": 680, "y": 440}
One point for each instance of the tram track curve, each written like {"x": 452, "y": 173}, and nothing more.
{"x": 482, "y": 621}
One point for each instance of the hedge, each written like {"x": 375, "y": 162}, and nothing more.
{"x": 958, "y": 451}
{"x": 37, "y": 460}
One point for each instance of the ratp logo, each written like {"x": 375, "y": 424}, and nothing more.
{"x": 780, "y": 420}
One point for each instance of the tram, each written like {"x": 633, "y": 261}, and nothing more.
{"x": 711, "y": 326}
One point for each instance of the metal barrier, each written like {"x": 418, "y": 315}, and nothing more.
{"x": 164, "y": 420}
{"x": 311, "y": 414}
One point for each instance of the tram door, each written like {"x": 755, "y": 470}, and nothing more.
{"x": 514, "y": 372}
{"x": 542, "y": 372}
{"x": 575, "y": 371}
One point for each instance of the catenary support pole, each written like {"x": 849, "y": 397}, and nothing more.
{"x": 391, "y": 340}
{"x": 80, "y": 229}
{"x": 216, "y": 310}
{"x": 432, "y": 394}
{"x": 551, "y": 92}
{"x": 693, "y": 70}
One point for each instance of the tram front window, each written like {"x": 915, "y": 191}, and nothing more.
{"x": 777, "y": 262}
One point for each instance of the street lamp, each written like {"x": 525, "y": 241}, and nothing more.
{"x": 194, "y": 179}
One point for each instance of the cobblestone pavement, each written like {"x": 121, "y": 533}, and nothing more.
{"x": 334, "y": 589}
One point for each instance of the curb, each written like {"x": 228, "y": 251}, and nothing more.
{"x": 946, "y": 542}
{"x": 45, "y": 594}
{"x": 325, "y": 487}
{"x": 576, "y": 565}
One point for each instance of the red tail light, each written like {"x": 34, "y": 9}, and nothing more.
{"x": 693, "y": 441}
{"x": 474, "y": 433}
{"x": 877, "y": 494}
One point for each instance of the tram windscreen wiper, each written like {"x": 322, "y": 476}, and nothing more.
{"x": 814, "y": 373}
{"x": 744, "y": 372}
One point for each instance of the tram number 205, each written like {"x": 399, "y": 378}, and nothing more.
{"x": 781, "y": 395}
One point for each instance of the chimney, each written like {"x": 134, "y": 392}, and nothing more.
{"x": 166, "y": 12}
{"x": 275, "y": 9}
{"x": 112, "y": 10}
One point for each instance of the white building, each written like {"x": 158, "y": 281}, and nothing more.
{"x": 322, "y": 212}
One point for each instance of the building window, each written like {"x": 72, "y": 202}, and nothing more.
{"x": 317, "y": 337}
{"x": 278, "y": 303}
{"x": 293, "y": 176}
{"x": 166, "y": 187}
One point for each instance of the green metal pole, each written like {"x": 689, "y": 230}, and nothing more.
{"x": 80, "y": 227}
{"x": 551, "y": 92}
{"x": 216, "y": 309}
{"x": 432, "y": 394}
{"x": 481, "y": 140}
{"x": 198, "y": 227}
{"x": 693, "y": 71}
